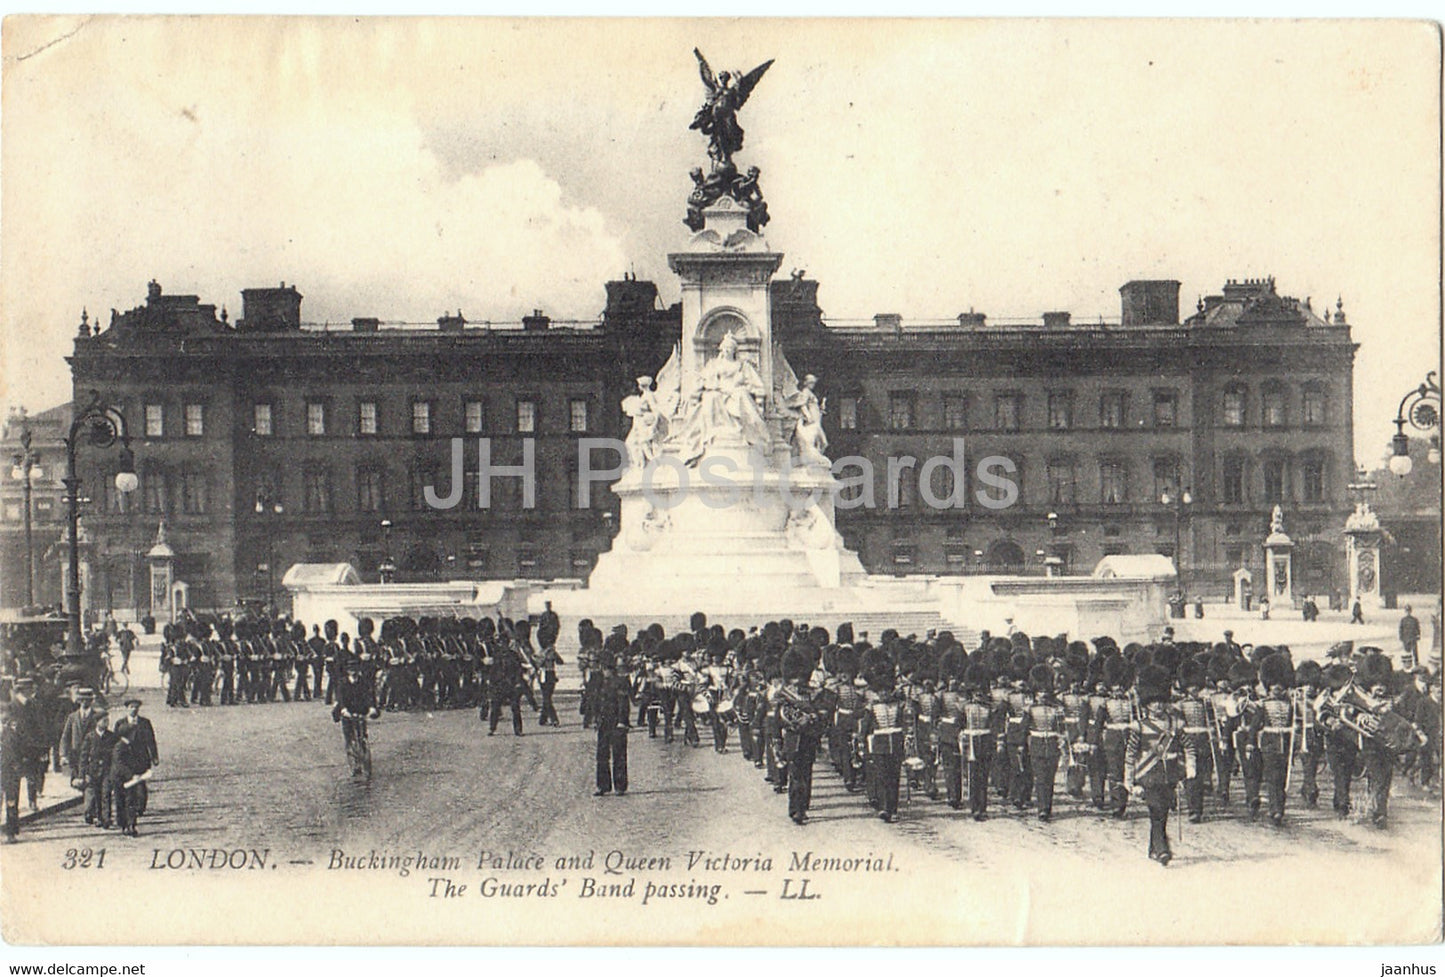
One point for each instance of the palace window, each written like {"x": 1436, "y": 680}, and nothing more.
{"x": 1276, "y": 480}
{"x": 366, "y": 415}
{"x": 1312, "y": 479}
{"x": 153, "y": 483}
{"x": 317, "y": 498}
{"x": 1061, "y": 410}
{"x": 900, "y": 411}
{"x": 370, "y": 490}
{"x": 1113, "y": 483}
{"x": 195, "y": 420}
{"x": 421, "y": 417}
{"x": 1166, "y": 477}
{"x": 1232, "y": 487}
{"x": 315, "y": 418}
{"x": 1166, "y": 408}
{"x": 1276, "y": 407}
{"x": 1061, "y": 481}
{"x": 577, "y": 415}
{"x": 193, "y": 493}
{"x": 848, "y": 413}
{"x": 261, "y": 421}
{"x": 155, "y": 421}
{"x": 1007, "y": 409}
{"x": 1113, "y": 409}
{"x": 526, "y": 416}
{"x": 475, "y": 416}
{"x": 1314, "y": 404}
{"x": 1233, "y": 413}
{"x": 955, "y": 412}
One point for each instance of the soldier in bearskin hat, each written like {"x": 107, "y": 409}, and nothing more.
{"x": 951, "y": 701}
{"x": 999, "y": 651}
{"x": 611, "y": 706}
{"x": 882, "y": 728}
{"x": 1273, "y": 729}
{"x": 1016, "y": 740}
{"x": 847, "y": 712}
{"x": 1309, "y": 744}
{"x": 802, "y": 722}
{"x": 1342, "y": 744}
{"x": 1077, "y": 715}
{"x": 1043, "y": 723}
{"x": 1155, "y": 758}
{"x": 982, "y": 720}
{"x": 1242, "y": 679}
{"x": 1112, "y": 725}
{"x": 1194, "y": 710}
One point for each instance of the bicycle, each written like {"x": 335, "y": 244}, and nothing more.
{"x": 112, "y": 681}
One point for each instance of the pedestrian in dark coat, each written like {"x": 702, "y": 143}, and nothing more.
{"x": 611, "y": 711}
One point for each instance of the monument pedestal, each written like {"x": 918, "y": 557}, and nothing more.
{"x": 1279, "y": 563}
{"x": 1362, "y": 551}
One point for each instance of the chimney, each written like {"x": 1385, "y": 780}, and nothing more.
{"x": 536, "y": 322}
{"x": 270, "y": 309}
{"x": 1150, "y": 303}
{"x": 451, "y": 323}
{"x": 365, "y": 324}
{"x": 1056, "y": 320}
{"x": 888, "y": 322}
{"x": 973, "y": 320}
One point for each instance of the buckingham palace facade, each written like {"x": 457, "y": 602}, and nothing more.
{"x": 270, "y": 440}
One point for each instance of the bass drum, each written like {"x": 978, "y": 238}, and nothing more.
{"x": 701, "y": 704}
{"x": 725, "y": 709}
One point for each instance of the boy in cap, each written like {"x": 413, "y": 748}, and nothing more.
{"x": 95, "y": 757}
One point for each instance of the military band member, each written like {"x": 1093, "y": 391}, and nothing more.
{"x": 1243, "y": 678}
{"x": 1021, "y": 777}
{"x": 776, "y": 766}
{"x": 1113, "y": 723}
{"x": 1274, "y": 725}
{"x": 747, "y": 706}
{"x": 951, "y": 702}
{"x": 226, "y": 660}
{"x": 716, "y": 683}
{"x": 178, "y": 666}
{"x": 982, "y": 721}
{"x": 1342, "y": 744}
{"x": 1155, "y": 760}
{"x": 1223, "y": 720}
{"x": 882, "y": 728}
{"x": 1194, "y": 710}
{"x": 547, "y": 662}
{"x": 611, "y": 706}
{"x": 1043, "y": 723}
{"x": 1309, "y": 743}
{"x": 1075, "y": 701}
{"x": 802, "y": 725}
{"x": 316, "y": 657}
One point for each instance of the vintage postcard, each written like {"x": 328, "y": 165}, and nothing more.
{"x": 720, "y": 482}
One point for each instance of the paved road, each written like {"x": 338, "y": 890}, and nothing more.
{"x": 274, "y": 777}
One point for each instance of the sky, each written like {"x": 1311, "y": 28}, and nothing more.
{"x": 409, "y": 168}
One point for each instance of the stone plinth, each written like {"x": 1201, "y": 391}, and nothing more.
{"x": 1362, "y": 552}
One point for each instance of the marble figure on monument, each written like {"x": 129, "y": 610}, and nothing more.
{"x": 648, "y": 424}
{"x": 726, "y": 405}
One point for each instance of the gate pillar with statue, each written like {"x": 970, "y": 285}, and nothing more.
{"x": 162, "y": 560}
{"x": 1362, "y": 551}
{"x": 1279, "y": 562}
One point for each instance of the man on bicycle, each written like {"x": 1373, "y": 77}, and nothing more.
{"x": 355, "y": 703}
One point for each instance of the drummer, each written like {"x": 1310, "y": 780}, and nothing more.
{"x": 689, "y": 685}
{"x": 717, "y": 680}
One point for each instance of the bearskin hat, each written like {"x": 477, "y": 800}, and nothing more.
{"x": 1338, "y": 676}
{"x": 1191, "y": 674}
{"x": 225, "y": 627}
{"x": 365, "y": 627}
{"x": 880, "y": 677}
{"x": 845, "y": 660}
{"x": 1143, "y": 657}
{"x": 1374, "y": 669}
{"x": 1259, "y": 653}
{"x": 1041, "y": 679}
{"x": 1131, "y": 649}
{"x": 1077, "y": 656}
{"x": 818, "y": 636}
{"x": 697, "y": 622}
{"x": 298, "y": 631}
{"x": 1152, "y": 684}
{"x": 845, "y": 633}
{"x": 717, "y": 648}
{"x": 1309, "y": 673}
{"x": 1167, "y": 657}
{"x": 1115, "y": 671}
{"x": 975, "y": 676}
{"x": 1019, "y": 665}
{"x": 1241, "y": 674}
{"x": 796, "y": 665}
{"x": 1276, "y": 671}
{"x": 951, "y": 665}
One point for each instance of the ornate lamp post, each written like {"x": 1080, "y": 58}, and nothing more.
{"x": 387, "y": 570}
{"x": 1420, "y": 408}
{"x": 101, "y": 426}
{"x": 27, "y": 466}
{"x": 1179, "y": 501}
{"x": 266, "y": 502}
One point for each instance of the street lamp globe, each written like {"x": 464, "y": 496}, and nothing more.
{"x": 1186, "y": 498}
{"x": 1401, "y": 465}
{"x": 1433, "y": 455}
{"x": 127, "y": 482}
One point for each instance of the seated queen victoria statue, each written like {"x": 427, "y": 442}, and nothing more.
{"x": 725, "y": 409}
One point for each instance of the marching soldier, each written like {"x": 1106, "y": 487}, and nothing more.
{"x": 226, "y": 660}
{"x": 1342, "y": 744}
{"x": 801, "y": 719}
{"x": 882, "y": 729}
{"x": 1075, "y": 701}
{"x": 747, "y": 709}
{"x": 951, "y": 702}
{"x": 978, "y": 739}
{"x": 1097, "y": 698}
{"x": 1155, "y": 761}
{"x": 716, "y": 680}
{"x": 1043, "y": 723}
{"x": 1251, "y": 766}
{"x": 1308, "y": 678}
{"x": 1223, "y": 720}
{"x": 1274, "y": 728}
{"x": 178, "y": 662}
{"x": 1021, "y": 778}
{"x": 1194, "y": 710}
{"x": 1113, "y": 723}
{"x": 610, "y": 706}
